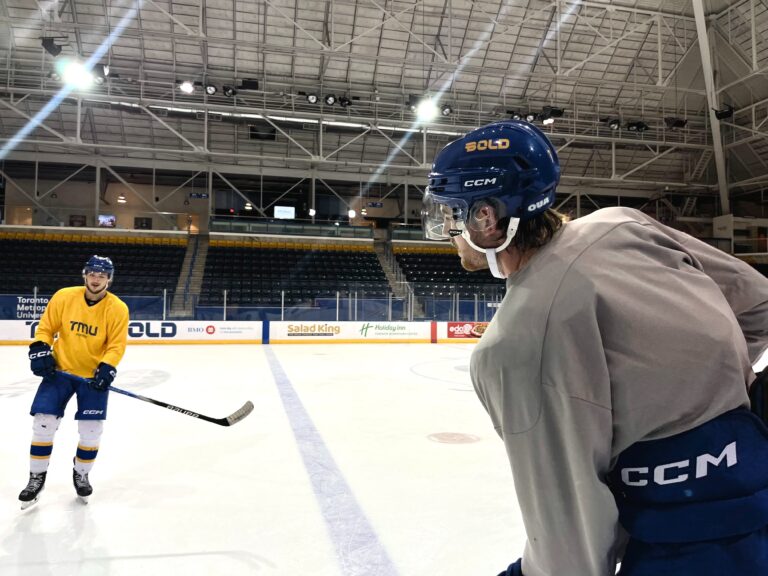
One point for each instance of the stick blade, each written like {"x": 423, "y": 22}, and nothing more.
{"x": 240, "y": 414}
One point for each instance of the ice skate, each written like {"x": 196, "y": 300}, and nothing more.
{"x": 31, "y": 494}
{"x": 82, "y": 485}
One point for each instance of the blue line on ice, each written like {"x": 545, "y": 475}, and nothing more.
{"x": 358, "y": 549}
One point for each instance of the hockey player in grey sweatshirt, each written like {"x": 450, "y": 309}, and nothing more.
{"x": 616, "y": 371}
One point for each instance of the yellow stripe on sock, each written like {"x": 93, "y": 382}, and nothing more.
{"x": 86, "y": 461}
{"x": 89, "y": 448}
{"x": 42, "y": 443}
{"x": 40, "y": 457}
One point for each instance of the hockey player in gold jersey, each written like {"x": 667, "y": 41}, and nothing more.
{"x": 83, "y": 332}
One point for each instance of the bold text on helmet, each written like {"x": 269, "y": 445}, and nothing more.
{"x": 480, "y": 145}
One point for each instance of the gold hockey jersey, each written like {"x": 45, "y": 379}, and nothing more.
{"x": 87, "y": 335}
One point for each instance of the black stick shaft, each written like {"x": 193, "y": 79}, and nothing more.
{"x": 233, "y": 418}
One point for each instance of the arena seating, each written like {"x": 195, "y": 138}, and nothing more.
{"x": 257, "y": 273}
{"x": 144, "y": 266}
{"x": 438, "y": 272}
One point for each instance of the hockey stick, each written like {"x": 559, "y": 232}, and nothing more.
{"x": 233, "y": 418}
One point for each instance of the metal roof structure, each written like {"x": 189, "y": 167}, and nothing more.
{"x": 630, "y": 61}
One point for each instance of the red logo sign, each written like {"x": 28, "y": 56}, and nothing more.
{"x": 466, "y": 329}
{"x": 210, "y": 329}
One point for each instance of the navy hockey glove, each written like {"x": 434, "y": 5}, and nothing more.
{"x": 514, "y": 569}
{"x": 41, "y": 359}
{"x": 103, "y": 377}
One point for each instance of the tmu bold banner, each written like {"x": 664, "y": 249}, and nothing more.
{"x": 460, "y": 331}
{"x": 155, "y": 332}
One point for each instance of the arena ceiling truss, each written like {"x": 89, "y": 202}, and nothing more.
{"x": 622, "y": 72}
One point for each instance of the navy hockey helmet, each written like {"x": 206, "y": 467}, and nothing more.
{"x": 100, "y": 264}
{"x": 510, "y": 165}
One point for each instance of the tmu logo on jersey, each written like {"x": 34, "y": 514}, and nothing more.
{"x": 83, "y": 329}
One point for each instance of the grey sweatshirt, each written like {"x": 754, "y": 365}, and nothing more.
{"x": 617, "y": 331}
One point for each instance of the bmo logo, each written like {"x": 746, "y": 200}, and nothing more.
{"x": 210, "y": 329}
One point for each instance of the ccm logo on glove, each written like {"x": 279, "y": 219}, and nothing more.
{"x": 41, "y": 360}
{"x": 665, "y": 474}
{"x": 104, "y": 376}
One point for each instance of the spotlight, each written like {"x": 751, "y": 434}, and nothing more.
{"x": 547, "y": 121}
{"x": 121, "y": 198}
{"x": 187, "y": 87}
{"x": 100, "y": 73}
{"x": 530, "y": 117}
{"x": 228, "y": 91}
{"x": 412, "y": 103}
{"x": 249, "y": 84}
{"x": 351, "y": 213}
{"x": 515, "y": 115}
{"x": 330, "y": 99}
{"x": 426, "y": 111}
{"x": 344, "y": 101}
{"x": 673, "y": 122}
{"x": 614, "y": 123}
{"x": 51, "y": 47}
{"x": 552, "y": 112}
{"x": 638, "y": 126}
{"x": 248, "y": 206}
{"x": 74, "y": 73}
{"x": 446, "y": 110}
{"x": 312, "y": 98}
{"x": 312, "y": 211}
{"x": 210, "y": 89}
{"x": 724, "y": 113}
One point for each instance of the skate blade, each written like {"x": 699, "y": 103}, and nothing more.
{"x": 25, "y": 505}
{"x": 83, "y": 499}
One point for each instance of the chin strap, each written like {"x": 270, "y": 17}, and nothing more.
{"x": 490, "y": 253}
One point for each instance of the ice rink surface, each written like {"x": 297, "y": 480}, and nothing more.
{"x": 358, "y": 460}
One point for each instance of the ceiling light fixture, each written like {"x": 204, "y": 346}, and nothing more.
{"x": 344, "y": 101}
{"x": 228, "y": 91}
{"x": 638, "y": 126}
{"x": 552, "y": 112}
{"x": 723, "y": 113}
{"x": 312, "y": 98}
{"x": 530, "y": 117}
{"x": 330, "y": 99}
{"x": 613, "y": 123}
{"x": 187, "y": 87}
{"x": 446, "y": 110}
{"x": 673, "y": 122}
{"x": 51, "y": 47}
{"x": 74, "y": 74}
{"x": 100, "y": 73}
{"x": 210, "y": 89}
{"x": 426, "y": 110}
{"x": 121, "y": 198}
